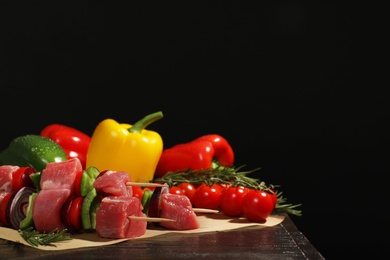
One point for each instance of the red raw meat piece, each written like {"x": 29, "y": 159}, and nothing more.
{"x": 47, "y": 209}
{"x": 60, "y": 175}
{"x": 112, "y": 217}
{"x": 6, "y": 177}
{"x": 113, "y": 183}
{"x": 179, "y": 208}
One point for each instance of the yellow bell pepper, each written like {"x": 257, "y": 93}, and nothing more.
{"x": 125, "y": 147}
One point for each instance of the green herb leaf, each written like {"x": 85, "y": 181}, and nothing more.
{"x": 36, "y": 238}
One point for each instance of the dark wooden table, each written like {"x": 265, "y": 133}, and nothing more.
{"x": 283, "y": 241}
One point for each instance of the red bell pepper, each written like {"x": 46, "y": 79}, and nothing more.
{"x": 74, "y": 142}
{"x": 223, "y": 151}
{"x": 198, "y": 154}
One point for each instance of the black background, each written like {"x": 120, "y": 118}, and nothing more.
{"x": 285, "y": 83}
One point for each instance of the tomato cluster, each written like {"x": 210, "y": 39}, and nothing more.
{"x": 233, "y": 201}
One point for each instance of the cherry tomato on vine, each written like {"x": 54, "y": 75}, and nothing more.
{"x": 188, "y": 190}
{"x": 175, "y": 190}
{"x": 225, "y": 186}
{"x": 231, "y": 200}
{"x": 208, "y": 197}
{"x": 257, "y": 205}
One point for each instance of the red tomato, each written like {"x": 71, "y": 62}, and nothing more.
{"x": 3, "y": 209}
{"x": 175, "y": 190}
{"x": 21, "y": 178}
{"x": 77, "y": 183}
{"x": 208, "y": 196}
{"x": 224, "y": 185}
{"x": 231, "y": 201}
{"x": 75, "y": 213}
{"x": 257, "y": 205}
{"x": 197, "y": 185}
{"x": 71, "y": 214}
{"x": 138, "y": 192}
{"x": 274, "y": 197}
{"x": 17, "y": 181}
{"x": 188, "y": 190}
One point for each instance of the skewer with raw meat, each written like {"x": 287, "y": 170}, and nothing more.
{"x": 117, "y": 215}
{"x": 15, "y": 188}
{"x": 57, "y": 186}
{"x": 116, "y": 205}
{"x": 172, "y": 206}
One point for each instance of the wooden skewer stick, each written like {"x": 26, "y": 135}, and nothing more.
{"x": 201, "y": 210}
{"x": 151, "y": 219}
{"x": 144, "y": 184}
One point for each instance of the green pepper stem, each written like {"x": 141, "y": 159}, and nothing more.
{"x": 144, "y": 122}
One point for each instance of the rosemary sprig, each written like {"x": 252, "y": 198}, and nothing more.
{"x": 283, "y": 207}
{"x": 232, "y": 176}
{"x": 217, "y": 174}
{"x": 35, "y": 238}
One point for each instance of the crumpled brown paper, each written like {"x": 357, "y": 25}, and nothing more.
{"x": 208, "y": 223}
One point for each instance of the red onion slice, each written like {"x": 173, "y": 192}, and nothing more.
{"x": 154, "y": 205}
{"x": 17, "y": 206}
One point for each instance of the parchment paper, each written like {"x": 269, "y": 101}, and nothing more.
{"x": 208, "y": 223}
